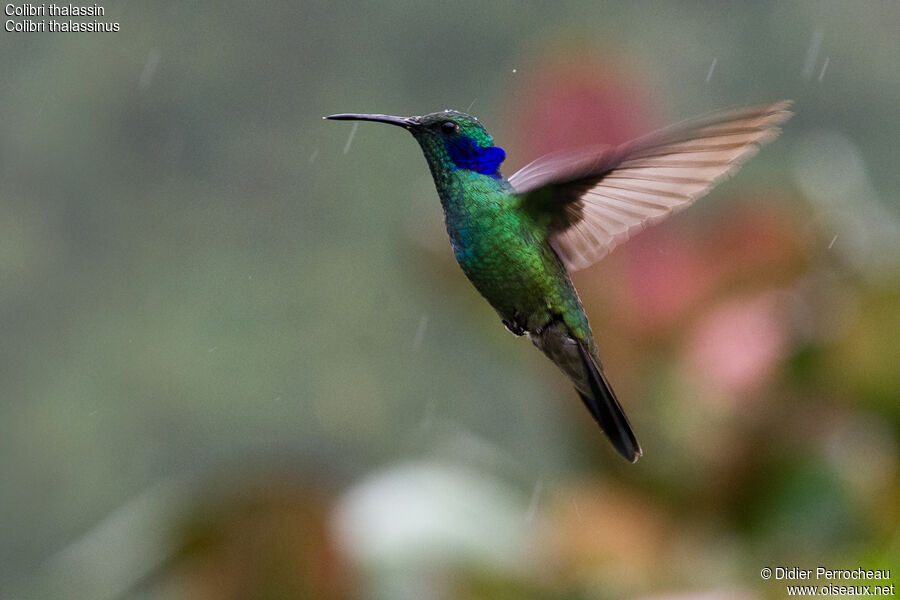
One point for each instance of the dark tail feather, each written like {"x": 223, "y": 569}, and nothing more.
{"x": 606, "y": 409}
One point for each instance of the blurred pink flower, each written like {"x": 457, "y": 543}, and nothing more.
{"x": 672, "y": 271}
{"x": 737, "y": 345}
{"x": 756, "y": 239}
{"x": 665, "y": 275}
{"x": 580, "y": 96}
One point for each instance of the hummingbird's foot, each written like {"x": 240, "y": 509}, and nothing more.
{"x": 515, "y": 324}
{"x": 553, "y": 319}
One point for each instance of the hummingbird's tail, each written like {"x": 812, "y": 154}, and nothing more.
{"x": 606, "y": 409}
{"x": 575, "y": 358}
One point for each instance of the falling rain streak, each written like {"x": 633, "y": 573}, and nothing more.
{"x": 535, "y": 496}
{"x": 712, "y": 68}
{"x": 813, "y": 53}
{"x": 149, "y": 70}
{"x": 824, "y": 66}
{"x": 420, "y": 333}
{"x": 350, "y": 139}
{"x": 427, "y": 421}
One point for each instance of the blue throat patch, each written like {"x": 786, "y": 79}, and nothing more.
{"x": 465, "y": 153}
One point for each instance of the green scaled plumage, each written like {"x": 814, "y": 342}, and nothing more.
{"x": 515, "y": 238}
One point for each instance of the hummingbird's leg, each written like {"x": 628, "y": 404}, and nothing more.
{"x": 554, "y": 318}
{"x": 515, "y": 324}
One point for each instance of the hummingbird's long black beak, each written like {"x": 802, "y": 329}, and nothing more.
{"x": 407, "y": 122}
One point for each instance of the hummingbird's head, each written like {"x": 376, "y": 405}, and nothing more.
{"x": 450, "y": 139}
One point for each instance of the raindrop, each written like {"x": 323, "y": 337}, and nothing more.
{"x": 535, "y": 496}
{"x": 824, "y": 66}
{"x": 515, "y": 70}
{"x": 577, "y": 509}
{"x": 420, "y": 333}
{"x": 813, "y": 53}
{"x": 471, "y": 104}
{"x": 213, "y": 349}
{"x": 350, "y": 139}
{"x": 149, "y": 68}
{"x": 830, "y": 170}
{"x": 831, "y": 243}
{"x": 712, "y": 68}
{"x": 312, "y": 157}
{"x": 427, "y": 421}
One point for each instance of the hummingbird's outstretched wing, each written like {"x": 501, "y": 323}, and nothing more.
{"x": 596, "y": 198}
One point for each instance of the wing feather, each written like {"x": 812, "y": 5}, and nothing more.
{"x": 598, "y": 197}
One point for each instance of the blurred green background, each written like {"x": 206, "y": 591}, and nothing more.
{"x": 239, "y": 360}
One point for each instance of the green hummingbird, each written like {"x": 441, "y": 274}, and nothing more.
{"x": 516, "y": 239}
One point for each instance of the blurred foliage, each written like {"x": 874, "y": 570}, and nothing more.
{"x": 228, "y": 325}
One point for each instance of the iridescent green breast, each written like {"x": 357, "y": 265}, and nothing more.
{"x": 505, "y": 254}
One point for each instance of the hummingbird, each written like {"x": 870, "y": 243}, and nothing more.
{"x": 517, "y": 238}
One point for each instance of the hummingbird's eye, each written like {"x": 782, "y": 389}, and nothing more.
{"x": 449, "y": 128}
